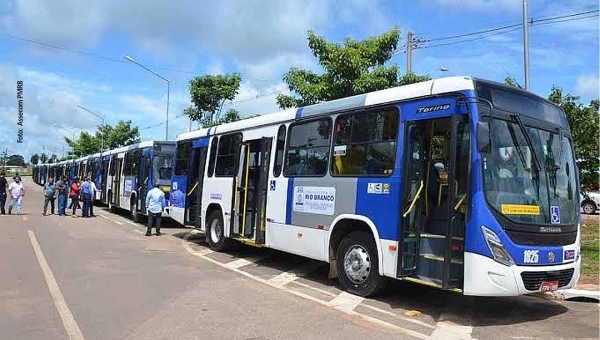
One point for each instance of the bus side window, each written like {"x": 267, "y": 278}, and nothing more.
{"x": 213, "y": 156}
{"x": 226, "y": 155}
{"x": 365, "y": 143}
{"x": 182, "y": 158}
{"x": 279, "y": 151}
{"x": 308, "y": 148}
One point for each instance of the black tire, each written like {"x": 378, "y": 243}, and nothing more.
{"x": 589, "y": 207}
{"x": 366, "y": 280}
{"x": 111, "y": 204}
{"x": 215, "y": 232}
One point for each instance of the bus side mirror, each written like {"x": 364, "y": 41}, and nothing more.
{"x": 483, "y": 137}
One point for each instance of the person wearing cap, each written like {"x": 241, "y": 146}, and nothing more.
{"x": 86, "y": 193}
{"x": 17, "y": 191}
{"x": 155, "y": 203}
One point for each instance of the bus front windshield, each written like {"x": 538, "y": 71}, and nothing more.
{"x": 161, "y": 166}
{"x": 526, "y": 190}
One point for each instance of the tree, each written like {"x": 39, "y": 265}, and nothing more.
{"x": 34, "y": 159}
{"x": 209, "y": 93}
{"x": 44, "y": 158}
{"x": 115, "y": 136}
{"x": 584, "y": 121}
{"x": 15, "y": 160}
{"x": 351, "y": 68}
{"x": 512, "y": 82}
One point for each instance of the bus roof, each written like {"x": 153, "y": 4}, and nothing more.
{"x": 426, "y": 88}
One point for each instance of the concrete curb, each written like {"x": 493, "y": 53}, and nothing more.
{"x": 576, "y": 293}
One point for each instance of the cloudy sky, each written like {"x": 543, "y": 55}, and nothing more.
{"x": 70, "y": 53}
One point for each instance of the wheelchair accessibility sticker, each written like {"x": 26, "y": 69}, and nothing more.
{"x": 554, "y": 214}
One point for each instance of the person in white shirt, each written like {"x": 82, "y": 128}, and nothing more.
{"x": 155, "y": 204}
{"x": 94, "y": 191}
{"x": 17, "y": 191}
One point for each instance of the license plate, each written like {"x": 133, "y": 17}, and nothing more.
{"x": 549, "y": 286}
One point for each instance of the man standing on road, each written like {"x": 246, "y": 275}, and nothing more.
{"x": 155, "y": 203}
{"x": 86, "y": 193}
{"x": 17, "y": 191}
{"x": 61, "y": 190}
{"x": 49, "y": 192}
{"x": 3, "y": 188}
{"x": 94, "y": 191}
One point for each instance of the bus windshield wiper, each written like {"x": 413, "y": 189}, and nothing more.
{"x": 536, "y": 161}
{"x": 561, "y": 140}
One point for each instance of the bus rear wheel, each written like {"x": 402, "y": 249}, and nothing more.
{"x": 215, "y": 232}
{"x": 358, "y": 264}
{"x": 589, "y": 208}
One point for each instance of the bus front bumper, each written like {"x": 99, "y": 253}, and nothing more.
{"x": 486, "y": 277}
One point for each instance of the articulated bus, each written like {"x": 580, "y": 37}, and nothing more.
{"x": 127, "y": 173}
{"x": 456, "y": 183}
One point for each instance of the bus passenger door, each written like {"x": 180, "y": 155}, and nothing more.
{"x": 195, "y": 180}
{"x": 240, "y": 189}
{"x": 262, "y": 188}
{"x": 412, "y": 199}
{"x": 458, "y": 183}
{"x": 144, "y": 182}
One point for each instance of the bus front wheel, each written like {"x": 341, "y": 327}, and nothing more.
{"x": 358, "y": 264}
{"x": 215, "y": 232}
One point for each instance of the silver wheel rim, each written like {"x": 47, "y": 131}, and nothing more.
{"x": 216, "y": 232}
{"x": 357, "y": 264}
{"x": 588, "y": 209}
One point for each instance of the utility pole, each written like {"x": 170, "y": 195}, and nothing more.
{"x": 409, "y": 47}
{"x": 526, "y": 44}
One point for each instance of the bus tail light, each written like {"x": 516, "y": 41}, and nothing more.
{"x": 500, "y": 253}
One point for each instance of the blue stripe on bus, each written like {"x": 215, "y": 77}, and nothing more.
{"x": 200, "y": 142}
{"x": 299, "y": 112}
{"x": 290, "y": 201}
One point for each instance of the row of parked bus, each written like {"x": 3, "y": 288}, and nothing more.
{"x": 457, "y": 183}
{"x": 122, "y": 175}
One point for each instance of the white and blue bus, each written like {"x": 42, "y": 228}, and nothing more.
{"x": 128, "y": 173}
{"x": 457, "y": 183}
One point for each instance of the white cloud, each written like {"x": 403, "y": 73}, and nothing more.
{"x": 478, "y": 5}
{"x": 588, "y": 86}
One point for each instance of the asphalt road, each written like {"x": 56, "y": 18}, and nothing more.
{"x": 101, "y": 278}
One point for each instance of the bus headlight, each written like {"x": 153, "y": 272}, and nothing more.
{"x": 500, "y": 253}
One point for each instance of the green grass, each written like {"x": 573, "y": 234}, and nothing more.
{"x": 590, "y": 242}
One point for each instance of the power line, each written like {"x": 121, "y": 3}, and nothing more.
{"x": 228, "y": 104}
{"x": 551, "y": 19}
{"x": 98, "y": 56}
{"x": 507, "y": 29}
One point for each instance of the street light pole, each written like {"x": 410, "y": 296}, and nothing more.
{"x": 168, "y": 91}
{"x": 526, "y": 44}
{"x": 97, "y": 115}
{"x": 72, "y": 139}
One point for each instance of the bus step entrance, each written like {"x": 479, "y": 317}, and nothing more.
{"x": 431, "y": 259}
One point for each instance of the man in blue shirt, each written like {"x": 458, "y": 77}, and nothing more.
{"x": 49, "y": 194}
{"x": 86, "y": 192}
{"x": 155, "y": 204}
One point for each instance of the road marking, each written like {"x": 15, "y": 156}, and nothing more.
{"x": 66, "y": 316}
{"x": 139, "y": 232}
{"x": 294, "y": 274}
{"x": 383, "y": 324}
{"x": 346, "y": 302}
{"x": 243, "y": 262}
{"x": 117, "y": 222}
{"x": 25, "y": 218}
{"x": 104, "y": 216}
{"x": 133, "y": 224}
